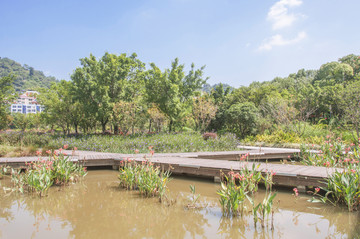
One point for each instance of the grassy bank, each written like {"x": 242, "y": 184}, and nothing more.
{"x": 161, "y": 143}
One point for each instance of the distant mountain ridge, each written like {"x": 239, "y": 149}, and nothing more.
{"x": 207, "y": 87}
{"x": 26, "y": 77}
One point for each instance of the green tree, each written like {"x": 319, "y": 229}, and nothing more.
{"x": 333, "y": 73}
{"x": 99, "y": 84}
{"x": 6, "y": 97}
{"x": 204, "y": 110}
{"x": 353, "y": 61}
{"x": 351, "y": 106}
{"x": 242, "y": 119}
{"x": 21, "y": 121}
{"x": 172, "y": 90}
{"x": 60, "y": 108}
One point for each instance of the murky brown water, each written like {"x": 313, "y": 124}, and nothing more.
{"x": 98, "y": 208}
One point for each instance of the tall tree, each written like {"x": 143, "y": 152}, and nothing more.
{"x": 99, "y": 84}
{"x": 6, "y": 96}
{"x": 172, "y": 90}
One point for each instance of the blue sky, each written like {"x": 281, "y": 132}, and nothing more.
{"x": 239, "y": 41}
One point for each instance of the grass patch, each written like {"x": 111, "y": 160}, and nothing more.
{"x": 162, "y": 143}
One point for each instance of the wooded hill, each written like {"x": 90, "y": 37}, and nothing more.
{"x": 26, "y": 77}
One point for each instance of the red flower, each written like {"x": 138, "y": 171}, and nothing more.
{"x": 317, "y": 190}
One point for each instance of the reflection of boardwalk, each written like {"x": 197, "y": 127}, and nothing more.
{"x": 206, "y": 163}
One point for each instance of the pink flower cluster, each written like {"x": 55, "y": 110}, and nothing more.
{"x": 296, "y": 191}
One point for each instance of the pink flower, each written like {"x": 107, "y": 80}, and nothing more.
{"x": 317, "y": 190}
{"x": 48, "y": 151}
{"x": 38, "y": 152}
{"x": 66, "y": 146}
{"x": 152, "y": 152}
{"x": 273, "y": 173}
{"x": 136, "y": 151}
{"x": 296, "y": 191}
{"x": 289, "y": 156}
{"x": 75, "y": 148}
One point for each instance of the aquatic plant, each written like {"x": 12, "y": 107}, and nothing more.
{"x": 3, "y": 170}
{"x": 149, "y": 180}
{"x": 262, "y": 210}
{"x": 342, "y": 187}
{"x": 232, "y": 196}
{"x": 40, "y": 175}
{"x": 193, "y": 197}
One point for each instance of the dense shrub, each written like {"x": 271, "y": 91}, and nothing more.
{"x": 242, "y": 119}
{"x": 209, "y": 135}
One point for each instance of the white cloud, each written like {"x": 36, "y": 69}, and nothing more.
{"x": 279, "y": 15}
{"x": 278, "y": 40}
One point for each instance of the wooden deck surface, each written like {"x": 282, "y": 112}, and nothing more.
{"x": 208, "y": 164}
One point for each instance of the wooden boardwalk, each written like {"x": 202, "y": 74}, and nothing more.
{"x": 207, "y": 164}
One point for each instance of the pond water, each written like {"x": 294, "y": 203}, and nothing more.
{"x": 98, "y": 208}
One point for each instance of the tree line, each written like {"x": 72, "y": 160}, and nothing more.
{"x": 119, "y": 94}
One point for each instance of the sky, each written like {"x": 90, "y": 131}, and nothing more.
{"x": 239, "y": 41}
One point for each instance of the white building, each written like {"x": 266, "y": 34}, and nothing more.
{"x": 26, "y": 104}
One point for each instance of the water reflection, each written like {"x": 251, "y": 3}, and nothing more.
{"x": 97, "y": 208}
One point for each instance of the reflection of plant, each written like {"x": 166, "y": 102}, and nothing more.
{"x": 41, "y": 174}
{"x": 149, "y": 180}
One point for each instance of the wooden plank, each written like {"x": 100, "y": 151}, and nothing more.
{"x": 203, "y": 164}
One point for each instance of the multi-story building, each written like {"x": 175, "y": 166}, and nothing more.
{"x": 26, "y": 103}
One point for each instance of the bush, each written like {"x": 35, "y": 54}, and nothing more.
{"x": 242, "y": 119}
{"x": 209, "y": 135}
